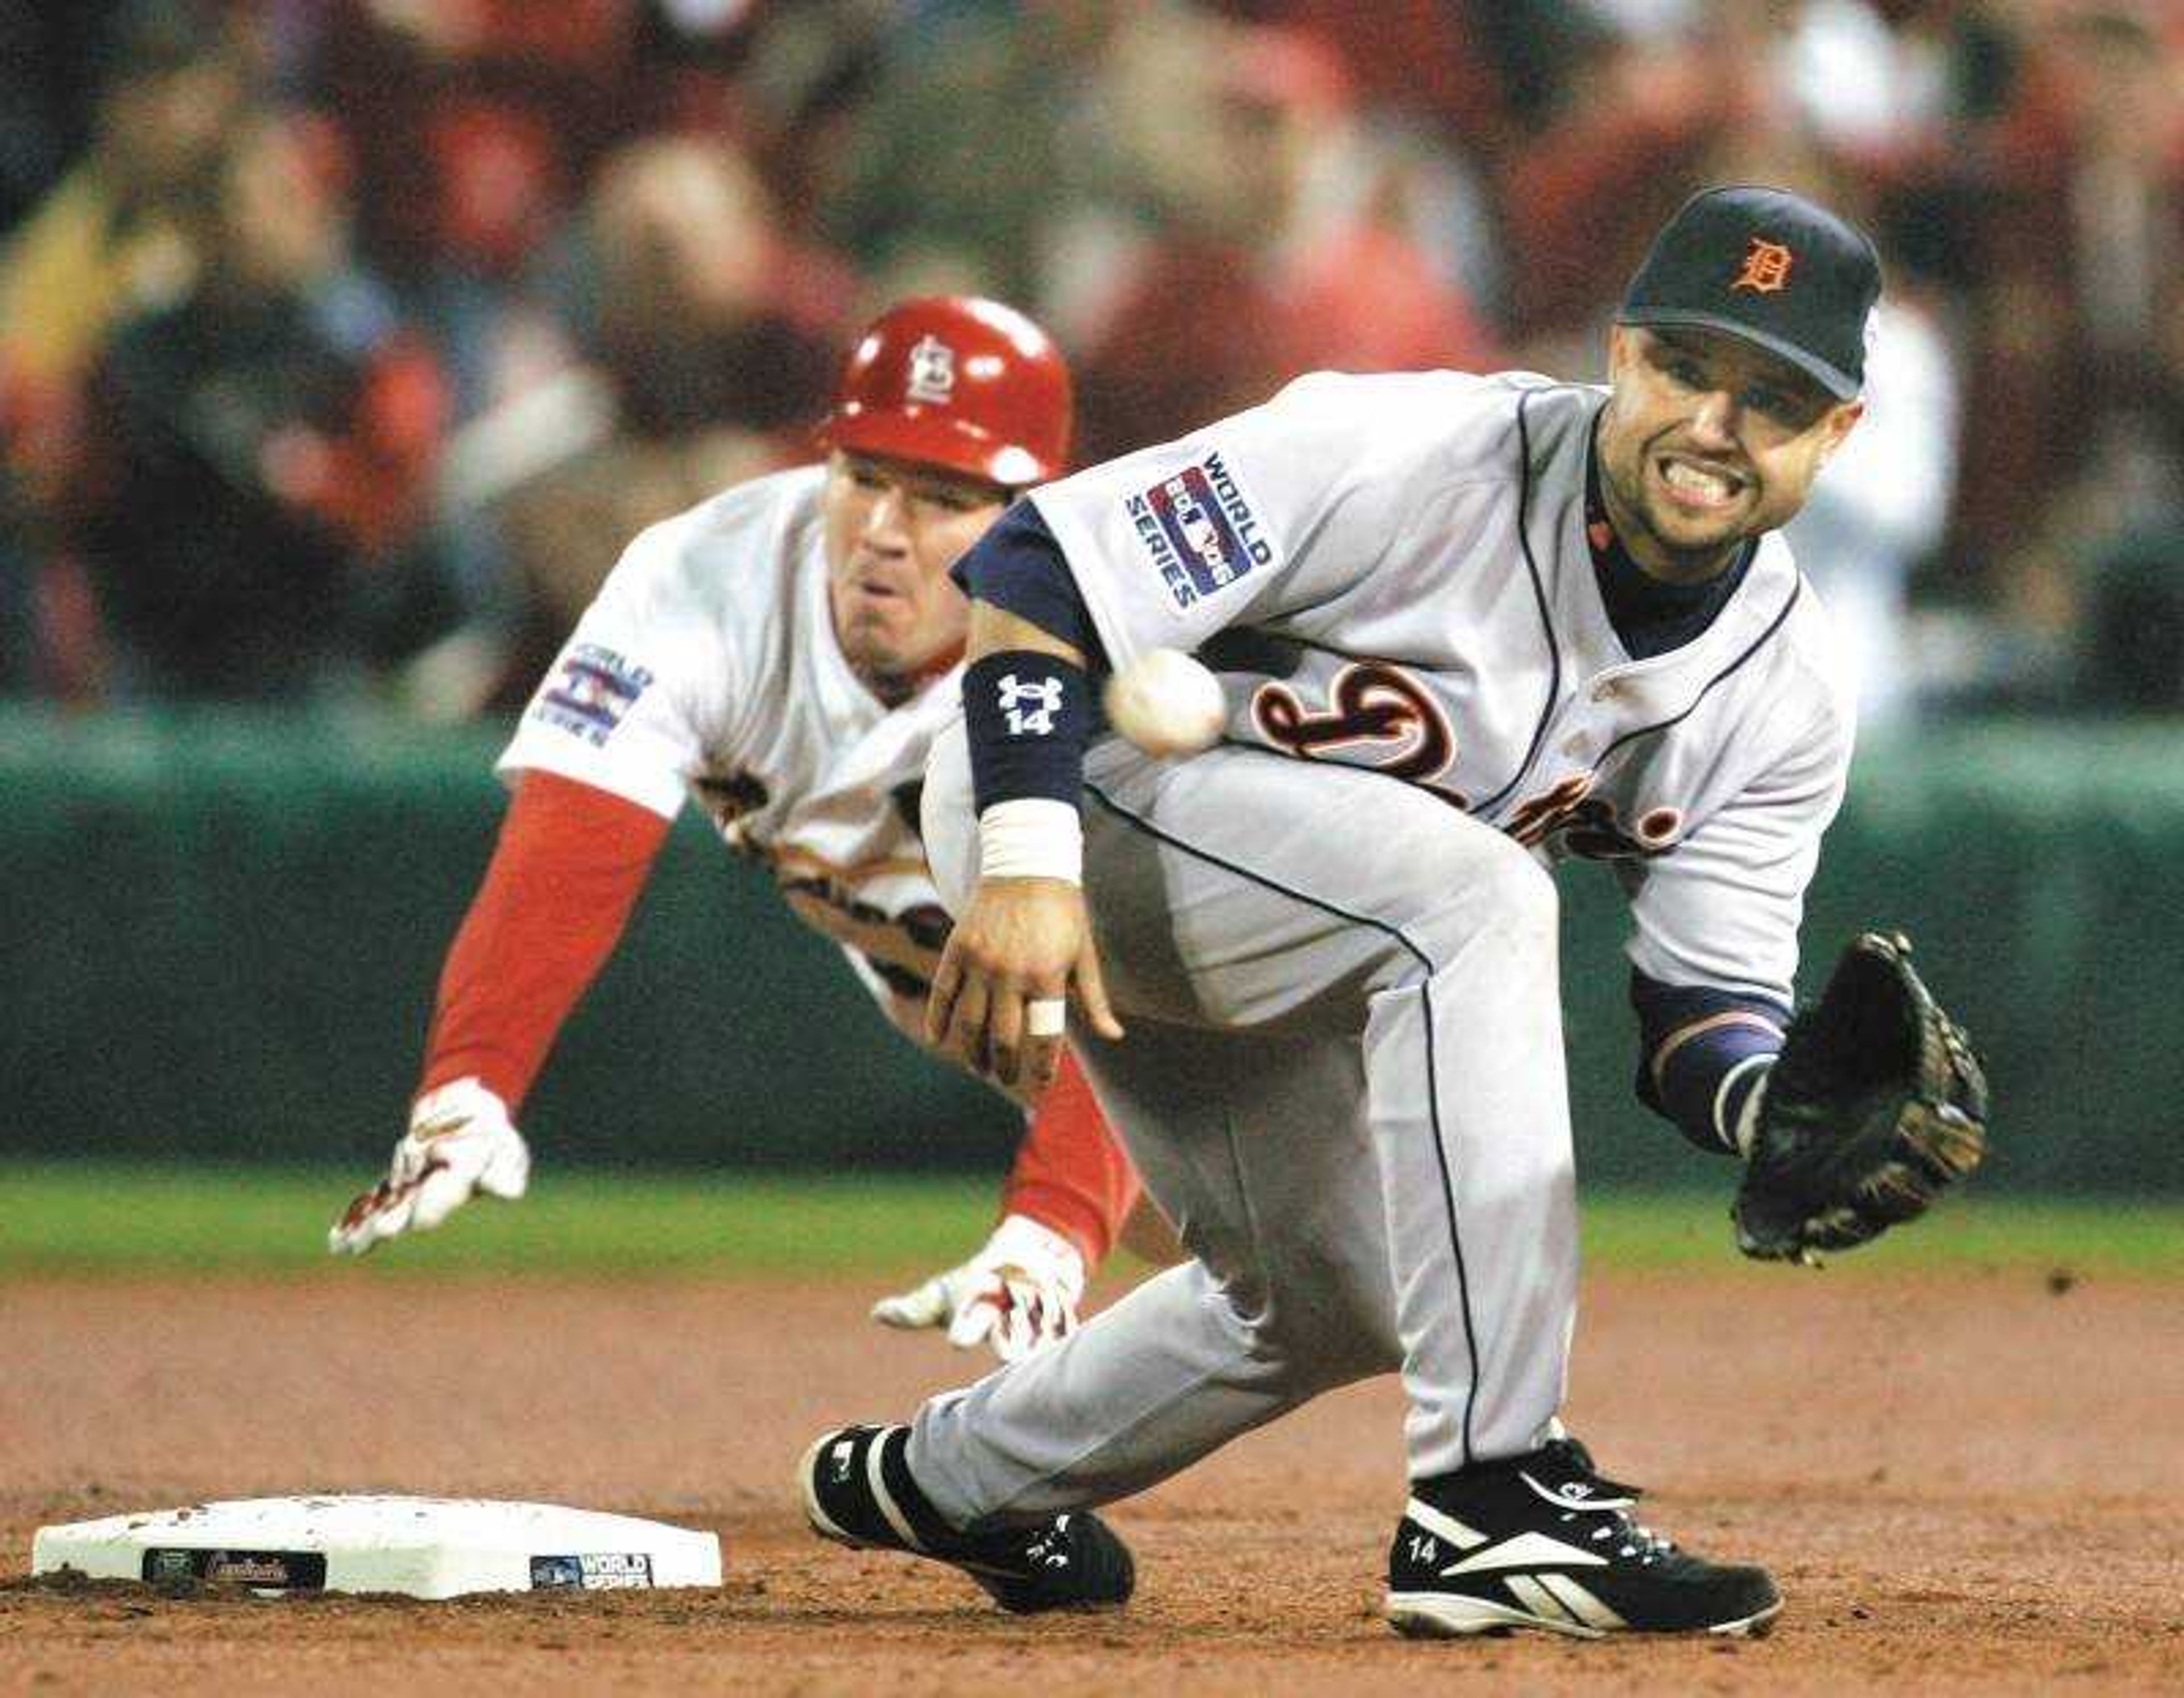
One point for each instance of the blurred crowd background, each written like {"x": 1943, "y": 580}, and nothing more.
{"x": 344, "y": 342}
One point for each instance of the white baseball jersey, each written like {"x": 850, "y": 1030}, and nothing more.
{"x": 708, "y": 667}
{"x": 1415, "y": 544}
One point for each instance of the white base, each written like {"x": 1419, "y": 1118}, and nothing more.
{"x": 419, "y": 1547}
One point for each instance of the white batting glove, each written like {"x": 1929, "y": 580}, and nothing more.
{"x": 459, "y": 1142}
{"x": 1017, "y": 1295}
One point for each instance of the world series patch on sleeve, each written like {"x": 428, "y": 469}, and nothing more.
{"x": 1199, "y": 529}
{"x": 590, "y": 691}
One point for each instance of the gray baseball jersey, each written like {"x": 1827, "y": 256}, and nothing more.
{"x": 1344, "y": 1075}
{"x": 1437, "y": 618}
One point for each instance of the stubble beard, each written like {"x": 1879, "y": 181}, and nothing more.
{"x": 1633, "y": 511}
{"x": 880, "y": 668}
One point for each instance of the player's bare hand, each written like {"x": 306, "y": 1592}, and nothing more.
{"x": 1021, "y": 950}
{"x": 459, "y": 1143}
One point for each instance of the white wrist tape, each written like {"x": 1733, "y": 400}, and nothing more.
{"x": 1032, "y": 837}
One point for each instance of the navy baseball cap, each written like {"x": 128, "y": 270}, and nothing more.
{"x": 1771, "y": 267}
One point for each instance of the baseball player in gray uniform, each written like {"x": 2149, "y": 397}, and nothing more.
{"x": 1466, "y": 627}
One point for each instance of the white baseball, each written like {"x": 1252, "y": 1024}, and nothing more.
{"x": 1167, "y": 703}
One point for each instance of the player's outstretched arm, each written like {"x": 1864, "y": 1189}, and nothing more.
{"x": 570, "y": 864}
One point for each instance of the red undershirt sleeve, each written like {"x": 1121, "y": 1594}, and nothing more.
{"x": 570, "y": 862}
{"x": 1071, "y": 1176}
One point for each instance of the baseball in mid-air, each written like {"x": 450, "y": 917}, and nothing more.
{"x": 1167, "y": 703}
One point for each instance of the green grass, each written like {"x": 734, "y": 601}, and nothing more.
{"x": 92, "y": 1217}
{"x": 95, "y": 1217}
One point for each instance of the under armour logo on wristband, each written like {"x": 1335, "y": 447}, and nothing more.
{"x": 1027, "y": 715}
{"x": 1038, "y": 720}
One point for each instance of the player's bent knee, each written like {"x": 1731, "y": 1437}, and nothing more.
{"x": 1494, "y": 886}
{"x": 1503, "y": 884}
{"x": 1453, "y": 852}
{"x": 1527, "y": 891}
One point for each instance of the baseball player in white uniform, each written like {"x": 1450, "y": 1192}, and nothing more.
{"x": 1467, "y": 627}
{"x": 784, "y": 654}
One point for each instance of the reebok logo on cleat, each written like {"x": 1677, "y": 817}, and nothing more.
{"x": 1525, "y": 1550}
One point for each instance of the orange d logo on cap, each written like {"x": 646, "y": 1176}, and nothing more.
{"x": 1766, "y": 267}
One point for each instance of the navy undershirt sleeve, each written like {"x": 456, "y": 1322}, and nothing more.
{"x": 1018, "y": 566}
{"x": 1687, "y": 1088}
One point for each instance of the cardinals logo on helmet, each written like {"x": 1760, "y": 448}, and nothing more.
{"x": 931, "y": 372}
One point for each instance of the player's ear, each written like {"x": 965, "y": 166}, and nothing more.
{"x": 1838, "y": 424}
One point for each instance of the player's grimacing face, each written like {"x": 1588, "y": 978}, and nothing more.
{"x": 894, "y": 529}
{"x": 1707, "y": 439}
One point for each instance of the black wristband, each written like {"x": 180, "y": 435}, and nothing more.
{"x": 1028, "y": 717}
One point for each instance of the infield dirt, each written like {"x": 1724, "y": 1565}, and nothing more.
{"x": 1963, "y": 1483}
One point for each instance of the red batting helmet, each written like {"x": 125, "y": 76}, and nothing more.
{"x": 959, "y": 381}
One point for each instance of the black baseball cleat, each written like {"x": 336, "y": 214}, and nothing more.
{"x": 858, "y": 1492}
{"x": 1542, "y": 1541}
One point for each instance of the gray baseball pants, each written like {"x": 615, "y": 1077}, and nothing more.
{"x": 1342, "y": 1079}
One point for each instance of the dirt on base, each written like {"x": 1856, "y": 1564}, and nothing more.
{"x": 1967, "y": 1483}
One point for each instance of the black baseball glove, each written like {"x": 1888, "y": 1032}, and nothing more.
{"x": 1875, "y": 1106}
